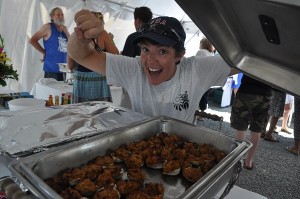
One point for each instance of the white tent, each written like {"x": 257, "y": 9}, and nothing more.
{"x": 20, "y": 19}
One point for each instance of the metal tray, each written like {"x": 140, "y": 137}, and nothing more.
{"x": 259, "y": 37}
{"x": 32, "y": 170}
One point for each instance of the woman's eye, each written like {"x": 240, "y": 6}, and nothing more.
{"x": 162, "y": 51}
{"x": 144, "y": 49}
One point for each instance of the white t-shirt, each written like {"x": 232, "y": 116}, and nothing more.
{"x": 177, "y": 98}
{"x": 203, "y": 53}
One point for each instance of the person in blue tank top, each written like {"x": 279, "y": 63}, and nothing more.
{"x": 55, "y": 36}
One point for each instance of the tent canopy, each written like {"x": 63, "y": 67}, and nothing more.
{"x": 19, "y": 20}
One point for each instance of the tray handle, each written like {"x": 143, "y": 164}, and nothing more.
{"x": 40, "y": 184}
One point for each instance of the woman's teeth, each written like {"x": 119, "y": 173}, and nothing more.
{"x": 154, "y": 70}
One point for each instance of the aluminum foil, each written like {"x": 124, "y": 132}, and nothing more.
{"x": 30, "y": 131}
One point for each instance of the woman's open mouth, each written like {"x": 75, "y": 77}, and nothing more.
{"x": 154, "y": 72}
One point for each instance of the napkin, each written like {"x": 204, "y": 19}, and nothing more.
{"x": 47, "y": 81}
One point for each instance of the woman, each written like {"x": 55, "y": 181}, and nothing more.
{"x": 89, "y": 85}
{"x": 159, "y": 82}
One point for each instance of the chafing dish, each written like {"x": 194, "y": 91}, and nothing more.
{"x": 34, "y": 169}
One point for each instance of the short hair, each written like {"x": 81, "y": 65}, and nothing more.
{"x": 143, "y": 13}
{"x": 52, "y": 13}
{"x": 205, "y": 44}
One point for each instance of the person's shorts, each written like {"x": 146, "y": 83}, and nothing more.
{"x": 277, "y": 103}
{"x": 250, "y": 110}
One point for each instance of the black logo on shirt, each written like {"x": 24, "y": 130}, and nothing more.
{"x": 181, "y": 102}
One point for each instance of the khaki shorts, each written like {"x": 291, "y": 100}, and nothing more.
{"x": 250, "y": 110}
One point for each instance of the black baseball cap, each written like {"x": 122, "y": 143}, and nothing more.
{"x": 166, "y": 31}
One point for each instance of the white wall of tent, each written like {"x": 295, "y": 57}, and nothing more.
{"x": 20, "y": 19}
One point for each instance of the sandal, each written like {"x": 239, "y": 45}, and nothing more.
{"x": 271, "y": 138}
{"x": 293, "y": 150}
{"x": 285, "y": 131}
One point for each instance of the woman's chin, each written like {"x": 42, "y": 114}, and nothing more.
{"x": 154, "y": 80}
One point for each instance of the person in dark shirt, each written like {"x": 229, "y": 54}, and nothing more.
{"x": 142, "y": 15}
{"x": 250, "y": 109}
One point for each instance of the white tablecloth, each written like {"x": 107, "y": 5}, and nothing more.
{"x": 5, "y": 90}
{"x": 41, "y": 91}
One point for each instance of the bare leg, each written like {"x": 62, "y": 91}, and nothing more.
{"x": 297, "y": 145}
{"x": 273, "y": 122}
{"x": 241, "y": 135}
{"x": 296, "y": 148}
{"x": 285, "y": 117}
{"x": 263, "y": 133}
{"x": 254, "y": 139}
{"x": 235, "y": 90}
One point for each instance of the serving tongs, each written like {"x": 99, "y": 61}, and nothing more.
{"x": 202, "y": 114}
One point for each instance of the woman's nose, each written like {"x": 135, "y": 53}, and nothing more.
{"x": 152, "y": 58}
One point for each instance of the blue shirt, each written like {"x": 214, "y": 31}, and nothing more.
{"x": 56, "y": 50}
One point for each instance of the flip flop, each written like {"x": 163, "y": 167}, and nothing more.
{"x": 285, "y": 131}
{"x": 293, "y": 151}
{"x": 271, "y": 139}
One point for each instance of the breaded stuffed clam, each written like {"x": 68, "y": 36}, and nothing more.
{"x": 171, "y": 168}
{"x": 192, "y": 174}
{"x": 134, "y": 161}
{"x": 86, "y": 187}
{"x": 107, "y": 193}
{"x": 73, "y": 176}
{"x": 136, "y": 175}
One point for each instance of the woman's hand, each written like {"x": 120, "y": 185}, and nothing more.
{"x": 88, "y": 26}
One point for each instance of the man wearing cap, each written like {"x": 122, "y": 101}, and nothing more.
{"x": 159, "y": 82}
{"x": 142, "y": 15}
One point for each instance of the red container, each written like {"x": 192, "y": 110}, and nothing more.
{"x": 3, "y": 195}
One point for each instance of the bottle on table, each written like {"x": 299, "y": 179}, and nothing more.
{"x": 69, "y": 99}
{"x": 50, "y": 101}
{"x": 56, "y": 102}
{"x": 65, "y": 99}
{"x": 62, "y": 98}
